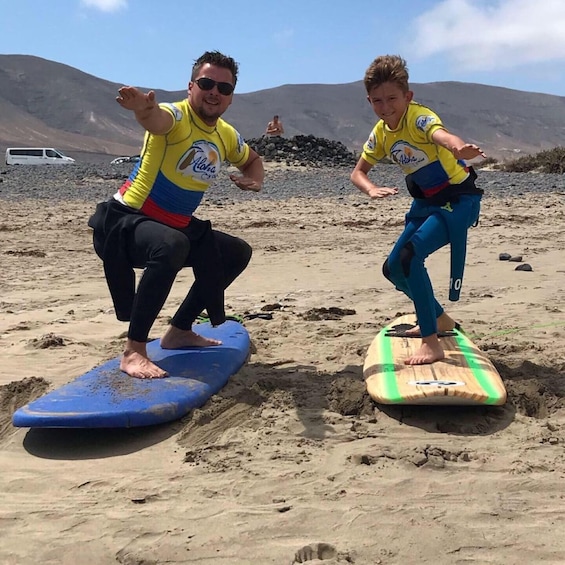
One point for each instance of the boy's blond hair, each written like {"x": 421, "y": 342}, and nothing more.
{"x": 387, "y": 68}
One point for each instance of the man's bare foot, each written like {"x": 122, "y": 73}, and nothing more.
{"x": 175, "y": 338}
{"x": 444, "y": 324}
{"x": 429, "y": 352}
{"x": 136, "y": 363}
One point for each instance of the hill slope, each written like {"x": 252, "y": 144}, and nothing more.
{"x": 48, "y": 103}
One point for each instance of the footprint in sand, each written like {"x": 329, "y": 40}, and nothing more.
{"x": 321, "y": 551}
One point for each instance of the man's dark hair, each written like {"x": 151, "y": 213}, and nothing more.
{"x": 219, "y": 60}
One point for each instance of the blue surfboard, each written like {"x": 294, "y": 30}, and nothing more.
{"x": 105, "y": 397}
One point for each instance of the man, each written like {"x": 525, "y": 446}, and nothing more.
{"x": 274, "y": 127}
{"x": 149, "y": 222}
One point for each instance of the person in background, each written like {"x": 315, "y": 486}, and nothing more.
{"x": 446, "y": 201}
{"x": 274, "y": 127}
{"x": 150, "y": 224}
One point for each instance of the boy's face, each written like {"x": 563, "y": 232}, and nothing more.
{"x": 389, "y": 102}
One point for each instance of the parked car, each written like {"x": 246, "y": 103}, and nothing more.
{"x": 120, "y": 160}
{"x": 36, "y": 156}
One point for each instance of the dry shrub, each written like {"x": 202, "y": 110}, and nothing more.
{"x": 549, "y": 161}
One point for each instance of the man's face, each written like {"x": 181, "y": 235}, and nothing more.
{"x": 389, "y": 102}
{"x": 210, "y": 104}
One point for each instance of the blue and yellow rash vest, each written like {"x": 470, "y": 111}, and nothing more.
{"x": 410, "y": 145}
{"x": 176, "y": 169}
{"x": 431, "y": 167}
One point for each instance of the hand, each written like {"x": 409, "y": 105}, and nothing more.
{"x": 381, "y": 192}
{"x": 468, "y": 151}
{"x": 131, "y": 98}
{"x": 245, "y": 183}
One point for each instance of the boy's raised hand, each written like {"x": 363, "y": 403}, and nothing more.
{"x": 468, "y": 151}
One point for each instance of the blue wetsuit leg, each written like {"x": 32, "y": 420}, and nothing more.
{"x": 426, "y": 231}
{"x": 429, "y": 237}
{"x": 423, "y": 234}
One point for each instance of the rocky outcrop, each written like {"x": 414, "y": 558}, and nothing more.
{"x": 304, "y": 150}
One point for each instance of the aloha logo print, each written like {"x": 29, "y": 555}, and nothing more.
{"x": 201, "y": 162}
{"x": 408, "y": 156}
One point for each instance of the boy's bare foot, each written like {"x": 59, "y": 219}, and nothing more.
{"x": 175, "y": 338}
{"x": 136, "y": 363}
{"x": 429, "y": 352}
{"x": 444, "y": 324}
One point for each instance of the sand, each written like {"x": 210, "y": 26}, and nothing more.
{"x": 291, "y": 462}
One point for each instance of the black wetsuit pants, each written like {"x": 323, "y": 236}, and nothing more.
{"x": 162, "y": 252}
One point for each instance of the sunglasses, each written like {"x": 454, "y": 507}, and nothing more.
{"x": 205, "y": 83}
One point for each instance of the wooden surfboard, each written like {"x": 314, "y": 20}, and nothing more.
{"x": 465, "y": 376}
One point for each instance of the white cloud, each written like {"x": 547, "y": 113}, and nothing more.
{"x": 490, "y": 35}
{"x": 105, "y": 5}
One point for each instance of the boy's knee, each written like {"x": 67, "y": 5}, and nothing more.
{"x": 386, "y": 270}
{"x": 399, "y": 263}
{"x": 405, "y": 258}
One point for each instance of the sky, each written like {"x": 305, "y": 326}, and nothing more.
{"x": 518, "y": 44}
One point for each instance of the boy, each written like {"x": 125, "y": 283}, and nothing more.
{"x": 446, "y": 200}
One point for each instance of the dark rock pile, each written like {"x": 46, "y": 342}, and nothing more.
{"x": 303, "y": 150}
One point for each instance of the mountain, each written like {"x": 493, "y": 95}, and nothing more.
{"x": 50, "y": 104}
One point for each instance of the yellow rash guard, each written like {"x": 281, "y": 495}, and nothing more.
{"x": 175, "y": 169}
{"x": 410, "y": 145}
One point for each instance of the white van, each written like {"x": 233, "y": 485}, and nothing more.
{"x": 36, "y": 156}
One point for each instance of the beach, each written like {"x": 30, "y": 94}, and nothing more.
{"x": 291, "y": 462}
